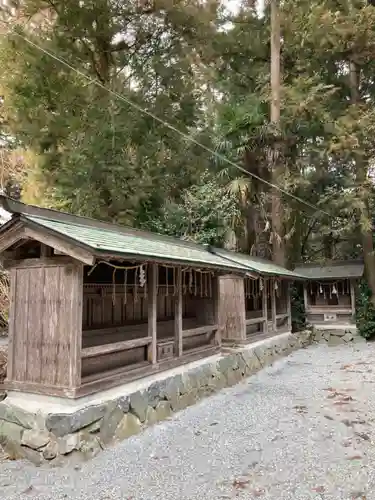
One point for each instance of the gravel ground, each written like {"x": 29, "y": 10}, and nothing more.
{"x": 301, "y": 429}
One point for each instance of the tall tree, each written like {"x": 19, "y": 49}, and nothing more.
{"x": 98, "y": 155}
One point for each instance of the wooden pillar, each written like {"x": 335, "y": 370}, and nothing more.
{"x": 305, "y": 300}
{"x": 352, "y": 297}
{"x": 273, "y": 304}
{"x": 178, "y": 315}
{"x": 216, "y": 307}
{"x": 152, "y": 311}
{"x": 264, "y": 304}
{"x": 289, "y": 305}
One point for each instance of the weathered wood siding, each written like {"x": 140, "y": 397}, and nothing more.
{"x": 46, "y": 325}
{"x": 232, "y": 307}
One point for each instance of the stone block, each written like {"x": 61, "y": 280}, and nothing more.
{"x": 109, "y": 423}
{"x": 318, "y": 335}
{"x": 62, "y": 424}
{"x": 50, "y": 451}
{"x": 334, "y": 341}
{"x": 123, "y": 403}
{"x": 348, "y": 337}
{"x": 16, "y": 415}
{"x": 68, "y": 443}
{"x": 338, "y": 333}
{"x": 139, "y": 404}
{"x": 186, "y": 400}
{"x": 94, "y": 427}
{"x": 35, "y": 439}
{"x": 226, "y": 365}
{"x": 173, "y": 389}
{"x": 252, "y": 361}
{"x": 151, "y": 417}
{"x": 128, "y": 426}
{"x": 155, "y": 392}
{"x": 89, "y": 445}
{"x": 10, "y": 431}
{"x": 163, "y": 410}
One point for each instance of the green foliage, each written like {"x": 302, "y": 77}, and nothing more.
{"x": 97, "y": 155}
{"x": 207, "y": 213}
{"x": 365, "y": 311}
{"x": 298, "y": 308}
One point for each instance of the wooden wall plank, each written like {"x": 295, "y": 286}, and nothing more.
{"x": 20, "y": 340}
{"x": 50, "y": 326}
{"x": 232, "y": 313}
{"x": 12, "y": 323}
{"x": 35, "y": 313}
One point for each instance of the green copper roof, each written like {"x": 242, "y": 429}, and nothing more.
{"x": 261, "y": 266}
{"x": 332, "y": 270}
{"x": 141, "y": 244}
{"x": 112, "y": 240}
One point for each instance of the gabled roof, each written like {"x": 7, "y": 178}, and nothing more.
{"x": 257, "y": 265}
{"x": 106, "y": 240}
{"x": 332, "y": 270}
{"x": 111, "y": 240}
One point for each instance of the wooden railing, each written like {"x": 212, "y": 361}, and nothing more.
{"x": 100, "y": 350}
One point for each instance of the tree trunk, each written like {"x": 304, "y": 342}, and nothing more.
{"x": 278, "y": 242}
{"x": 361, "y": 163}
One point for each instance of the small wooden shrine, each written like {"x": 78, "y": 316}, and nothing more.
{"x": 94, "y": 305}
{"x": 329, "y": 291}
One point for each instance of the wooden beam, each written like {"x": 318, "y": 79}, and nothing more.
{"x": 152, "y": 312}
{"x": 178, "y": 315}
{"x": 11, "y": 236}
{"x": 43, "y": 262}
{"x": 352, "y": 296}
{"x": 273, "y": 304}
{"x": 254, "y": 321}
{"x": 100, "y": 350}
{"x": 59, "y": 244}
{"x": 200, "y": 330}
{"x": 264, "y": 304}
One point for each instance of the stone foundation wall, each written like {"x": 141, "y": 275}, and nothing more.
{"x": 61, "y": 438}
{"x": 333, "y": 337}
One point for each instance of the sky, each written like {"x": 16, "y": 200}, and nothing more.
{"x": 233, "y": 5}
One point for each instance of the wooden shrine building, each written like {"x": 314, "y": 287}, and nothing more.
{"x": 329, "y": 291}
{"x": 93, "y": 304}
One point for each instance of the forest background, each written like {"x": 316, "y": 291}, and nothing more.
{"x": 71, "y": 139}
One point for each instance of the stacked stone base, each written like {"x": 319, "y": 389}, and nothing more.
{"x": 335, "y": 336}
{"x": 60, "y": 438}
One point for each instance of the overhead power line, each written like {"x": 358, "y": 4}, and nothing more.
{"x": 187, "y": 137}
